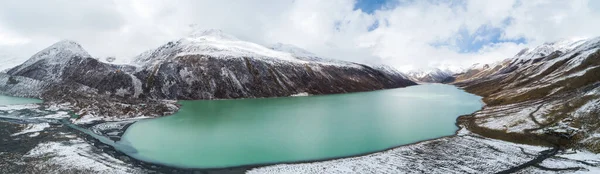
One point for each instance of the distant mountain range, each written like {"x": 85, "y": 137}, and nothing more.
{"x": 447, "y": 75}
{"x": 432, "y": 75}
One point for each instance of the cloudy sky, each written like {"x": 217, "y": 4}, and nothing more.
{"x": 406, "y": 34}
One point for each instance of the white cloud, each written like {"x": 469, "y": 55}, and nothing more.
{"x": 125, "y": 28}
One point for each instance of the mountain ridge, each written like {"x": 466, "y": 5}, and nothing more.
{"x": 548, "y": 100}
{"x": 208, "y": 65}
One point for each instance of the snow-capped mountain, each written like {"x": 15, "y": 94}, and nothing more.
{"x": 548, "y": 48}
{"x": 201, "y": 65}
{"x": 53, "y": 60}
{"x": 213, "y": 43}
{"x": 525, "y": 57}
{"x": 432, "y": 75}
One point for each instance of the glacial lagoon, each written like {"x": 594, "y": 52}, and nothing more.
{"x": 227, "y": 133}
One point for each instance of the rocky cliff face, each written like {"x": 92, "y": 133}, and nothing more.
{"x": 205, "y": 65}
{"x": 552, "y": 99}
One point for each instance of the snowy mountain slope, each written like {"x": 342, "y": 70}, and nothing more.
{"x": 484, "y": 70}
{"x": 211, "y": 64}
{"x": 216, "y": 44}
{"x": 390, "y": 70}
{"x": 302, "y": 54}
{"x": 548, "y": 48}
{"x": 550, "y": 99}
{"x": 525, "y": 57}
{"x": 213, "y": 43}
{"x": 53, "y": 60}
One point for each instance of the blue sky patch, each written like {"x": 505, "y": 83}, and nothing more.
{"x": 484, "y": 35}
{"x": 467, "y": 42}
{"x": 370, "y": 6}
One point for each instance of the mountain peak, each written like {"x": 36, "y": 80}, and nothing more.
{"x": 52, "y": 59}
{"x": 66, "y": 43}
{"x": 57, "y": 53}
{"x": 60, "y": 50}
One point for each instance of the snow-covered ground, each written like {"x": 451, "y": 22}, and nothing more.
{"x": 32, "y": 128}
{"x": 78, "y": 154}
{"x": 465, "y": 153}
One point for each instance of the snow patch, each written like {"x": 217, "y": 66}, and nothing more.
{"x": 77, "y": 154}
{"x": 35, "y": 134}
{"x": 86, "y": 119}
{"x": 32, "y": 128}
{"x": 122, "y": 92}
{"x": 137, "y": 86}
{"x": 302, "y": 94}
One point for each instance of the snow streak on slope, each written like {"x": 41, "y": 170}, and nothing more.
{"x": 547, "y": 48}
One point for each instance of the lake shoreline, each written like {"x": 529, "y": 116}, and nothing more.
{"x": 394, "y": 116}
{"x": 167, "y": 168}
{"x": 106, "y": 149}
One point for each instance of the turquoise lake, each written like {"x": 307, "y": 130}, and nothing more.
{"x": 227, "y": 133}
{"x": 7, "y": 100}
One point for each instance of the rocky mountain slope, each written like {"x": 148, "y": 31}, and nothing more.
{"x": 205, "y": 65}
{"x": 212, "y": 64}
{"x": 549, "y": 96}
